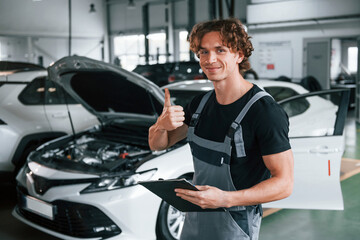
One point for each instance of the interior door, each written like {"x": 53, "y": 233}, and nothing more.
{"x": 318, "y": 61}
{"x": 316, "y": 136}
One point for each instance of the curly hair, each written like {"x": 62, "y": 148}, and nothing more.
{"x": 232, "y": 33}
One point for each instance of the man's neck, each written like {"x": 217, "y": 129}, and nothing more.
{"x": 229, "y": 90}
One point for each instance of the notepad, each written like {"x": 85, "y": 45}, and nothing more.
{"x": 165, "y": 189}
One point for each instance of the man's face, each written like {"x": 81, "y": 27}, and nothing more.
{"x": 216, "y": 60}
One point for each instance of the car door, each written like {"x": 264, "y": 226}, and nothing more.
{"x": 316, "y": 136}
{"x": 57, "y": 105}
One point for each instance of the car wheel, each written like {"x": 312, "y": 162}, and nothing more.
{"x": 170, "y": 222}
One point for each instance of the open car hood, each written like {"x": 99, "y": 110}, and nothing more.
{"x": 107, "y": 91}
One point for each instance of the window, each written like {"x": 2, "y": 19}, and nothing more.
{"x": 352, "y": 59}
{"x": 280, "y": 93}
{"x": 34, "y": 93}
{"x": 41, "y": 91}
{"x": 130, "y": 50}
{"x": 157, "y": 50}
{"x": 295, "y": 107}
{"x": 316, "y": 115}
{"x": 184, "y": 46}
{"x": 182, "y": 98}
{"x": 56, "y": 95}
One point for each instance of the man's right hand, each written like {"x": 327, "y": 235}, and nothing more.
{"x": 171, "y": 117}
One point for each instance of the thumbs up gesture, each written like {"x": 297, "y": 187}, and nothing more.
{"x": 172, "y": 117}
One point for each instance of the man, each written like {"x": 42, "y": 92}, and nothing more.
{"x": 238, "y": 136}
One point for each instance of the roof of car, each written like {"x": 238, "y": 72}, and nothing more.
{"x": 8, "y": 67}
{"x": 22, "y": 76}
{"x": 23, "y": 66}
{"x": 206, "y": 85}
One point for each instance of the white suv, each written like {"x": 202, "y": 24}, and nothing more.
{"x": 33, "y": 110}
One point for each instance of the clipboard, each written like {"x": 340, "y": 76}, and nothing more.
{"x": 165, "y": 190}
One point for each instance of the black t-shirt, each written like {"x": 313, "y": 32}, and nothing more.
{"x": 265, "y": 131}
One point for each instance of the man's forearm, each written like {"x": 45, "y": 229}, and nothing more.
{"x": 279, "y": 186}
{"x": 158, "y": 138}
{"x": 269, "y": 190}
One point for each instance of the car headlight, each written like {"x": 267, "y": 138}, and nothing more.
{"x": 116, "y": 182}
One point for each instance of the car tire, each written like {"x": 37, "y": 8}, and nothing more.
{"x": 169, "y": 223}
{"x": 170, "y": 220}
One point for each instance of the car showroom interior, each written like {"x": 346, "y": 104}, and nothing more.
{"x": 89, "y": 148}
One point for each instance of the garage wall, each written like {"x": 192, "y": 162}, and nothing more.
{"x": 282, "y": 42}
{"x": 44, "y": 28}
{"x": 294, "y": 37}
{"x": 295, "y": 10}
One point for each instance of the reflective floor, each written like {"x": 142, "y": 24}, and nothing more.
{"x": 277, "y": 225}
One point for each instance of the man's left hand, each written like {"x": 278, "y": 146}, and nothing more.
{"x": 206, "y": 197}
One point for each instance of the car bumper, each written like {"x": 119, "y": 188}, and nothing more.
{"x": 103, "y": 215}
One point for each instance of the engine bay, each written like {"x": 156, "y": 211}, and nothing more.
{"x": 91, "y": 150}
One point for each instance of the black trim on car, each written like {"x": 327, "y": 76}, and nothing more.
{"x": 42, "y": 185}
{"x": 73, "y": 219}
{"x": 343, "y": 109}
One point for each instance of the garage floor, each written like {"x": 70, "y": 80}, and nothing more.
{"x": 276, "y": 225}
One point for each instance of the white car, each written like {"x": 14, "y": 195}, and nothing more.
{"x": 85, "y": 186}
{"x": 303, "y": 113}
{"x": 33, "y": 110}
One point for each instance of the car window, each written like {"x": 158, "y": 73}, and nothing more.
{"x": 34, "y": 93}
{"x": 296, "y": 107}
{"x": 280, "y": 93}
{"x": 55, "y": 94}
{"x": 313, "y": 115}
{"x": 111, "y": 92}
{"x": 182, "y": 98}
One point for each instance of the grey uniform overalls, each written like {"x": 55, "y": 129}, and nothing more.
{"x": 212, "y": 167}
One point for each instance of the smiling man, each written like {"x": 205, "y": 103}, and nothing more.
{"x": 238, "y": 136}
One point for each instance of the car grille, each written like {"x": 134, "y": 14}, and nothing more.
{"x": 73, "y": 219}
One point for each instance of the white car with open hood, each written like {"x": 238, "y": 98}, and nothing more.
{"x": 84, "y": 186}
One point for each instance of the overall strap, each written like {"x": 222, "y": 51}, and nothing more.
{"x": 235, "y": 124}
{"x": 195, "y": 116}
